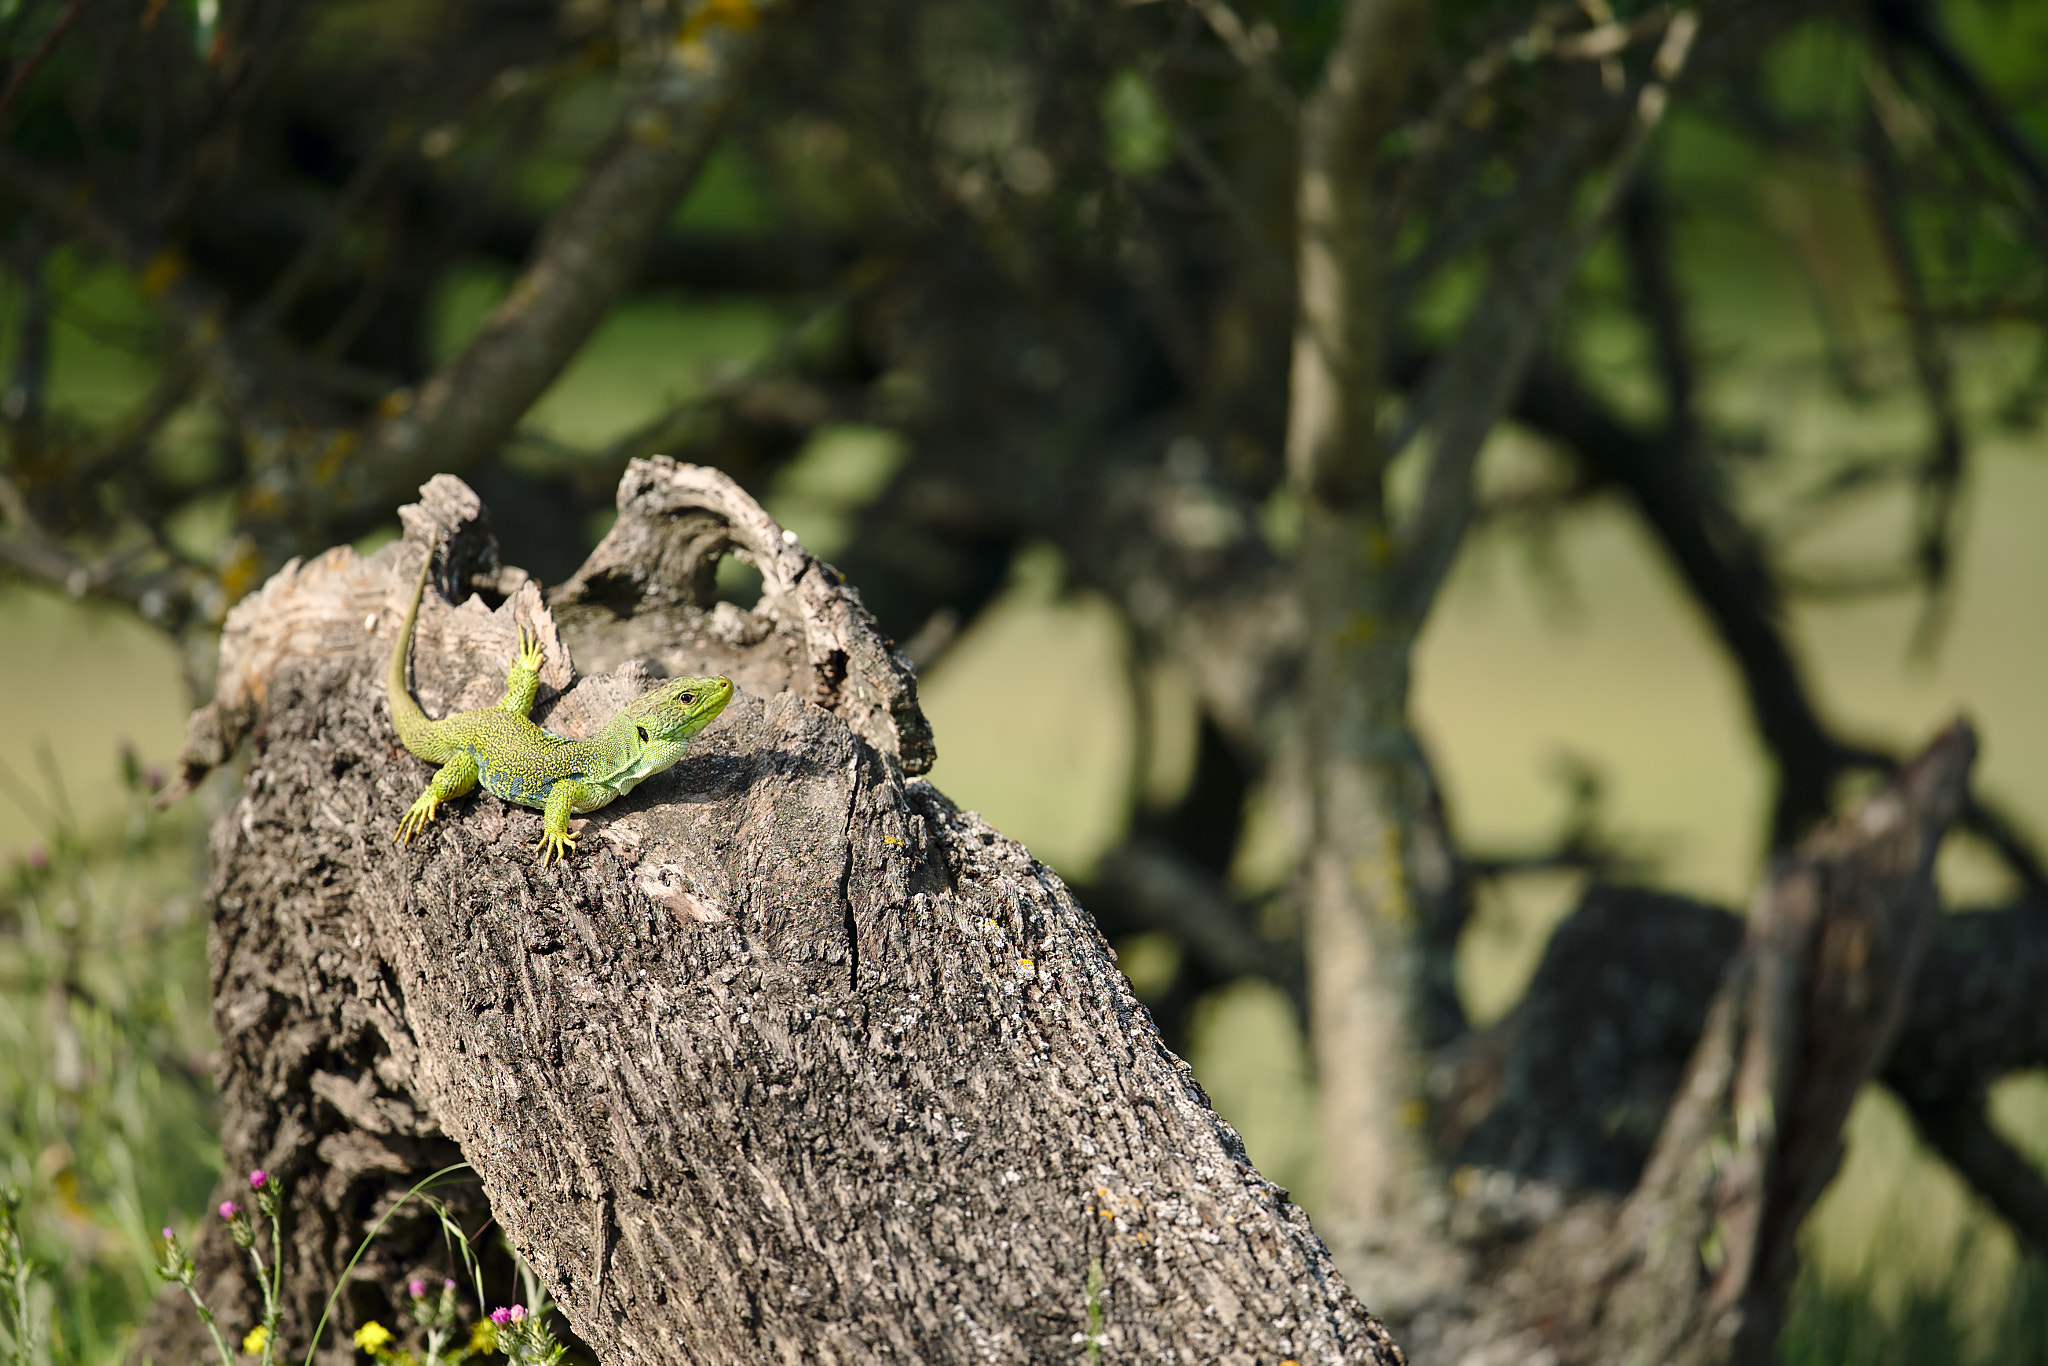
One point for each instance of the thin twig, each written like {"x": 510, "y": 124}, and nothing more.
{"x": 1530, "y": 41}
{"x": 1253, "y": 54}
{"x": 305, "y": 264}
{"x": 1487, "y": 362}
{"x": 586, "y": 257}
{"x": 1914, "y": 26}
{"x": 1942, "y": 470}
{"x": 775, "y": 360}
{"x": 19, "y": 77}
{"x": 196, "y": 311}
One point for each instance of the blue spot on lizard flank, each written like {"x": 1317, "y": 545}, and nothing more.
{"x": 499, "y": 782}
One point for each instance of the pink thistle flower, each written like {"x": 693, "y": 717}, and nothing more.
{"x": 257, "y": 1178}
{"x": 518, "y": 1313}
{"x": 417, "y": 1289}
{"x": 448, "y": 1283}
{"x": 501, "y": 1316}
{"x": 170, "y": 1236}
{"x": 227, "y": 1209}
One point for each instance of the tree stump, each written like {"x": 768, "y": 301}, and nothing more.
{"x": 792, "y": 1060}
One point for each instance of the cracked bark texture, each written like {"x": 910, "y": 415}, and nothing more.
{"x": 793, "y": 1060}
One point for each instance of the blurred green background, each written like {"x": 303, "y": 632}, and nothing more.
{"x": 1595, "y": 656}
{"x": 1562, "y": 649}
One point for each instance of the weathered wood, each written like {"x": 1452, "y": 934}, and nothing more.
{"x": 1702, "y": 1256}
{"x": 651, "y": 582}
{"x": 1571, "y": 1086}
{"x": 1686, "y": 1257}
{"x": 793, "y": 1060}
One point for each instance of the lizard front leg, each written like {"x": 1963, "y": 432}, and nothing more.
{"x": 564, "y": 797}
{"x": 455, "y": 778}
{"x": 522, "y": 684}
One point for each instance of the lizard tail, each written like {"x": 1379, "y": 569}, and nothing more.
{"x": 414, "y": 730}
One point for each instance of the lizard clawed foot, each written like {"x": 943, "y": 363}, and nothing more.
{"x": 555, "y": 847}
{"x": 531, "y": 656}
{"x": 416, "y": 820}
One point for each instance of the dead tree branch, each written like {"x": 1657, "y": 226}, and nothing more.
{"x": 1941, "y": 471}
{"x": 795, "y": 1058}
{"x": 1913, "y": 25}
{"x": 1570, "y": 1087}
{"x": 585, "y": 259}
{"x": 1691, "y": 515}
{"x": 1704, "y": 1252}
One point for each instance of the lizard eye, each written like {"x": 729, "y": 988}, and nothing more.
{"x": 644, "y": 736}
{"x": 688, "y": 699}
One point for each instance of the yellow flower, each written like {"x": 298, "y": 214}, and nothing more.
{"x": 253, "y": 1344}
{"x": 372, "y": 1336}
{"x": 483, "y": 1337}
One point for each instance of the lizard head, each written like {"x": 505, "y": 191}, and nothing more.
{"x": 679, "y": 708}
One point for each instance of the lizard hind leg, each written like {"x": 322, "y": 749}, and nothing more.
{"x": 522, "y": 683}
{"x": 455, "y": 778}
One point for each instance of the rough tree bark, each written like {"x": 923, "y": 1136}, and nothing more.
{"x": 793, "y": 1060}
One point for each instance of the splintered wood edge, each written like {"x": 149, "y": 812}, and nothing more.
{"x": 853, "y": 669}
{"x": 336, "y": 602}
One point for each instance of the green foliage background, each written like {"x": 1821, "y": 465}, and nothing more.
{"x": 1563, "y": 642}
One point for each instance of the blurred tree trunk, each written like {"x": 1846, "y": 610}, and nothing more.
{"x": 1383, "y": 899}
{"x": 1357, "y": 920}
{"x": 793, "y": 1060}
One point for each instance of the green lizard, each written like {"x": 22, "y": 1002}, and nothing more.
{"x": 520, "y": 762}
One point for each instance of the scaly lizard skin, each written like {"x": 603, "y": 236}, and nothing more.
{"x": 517, "y": 760}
